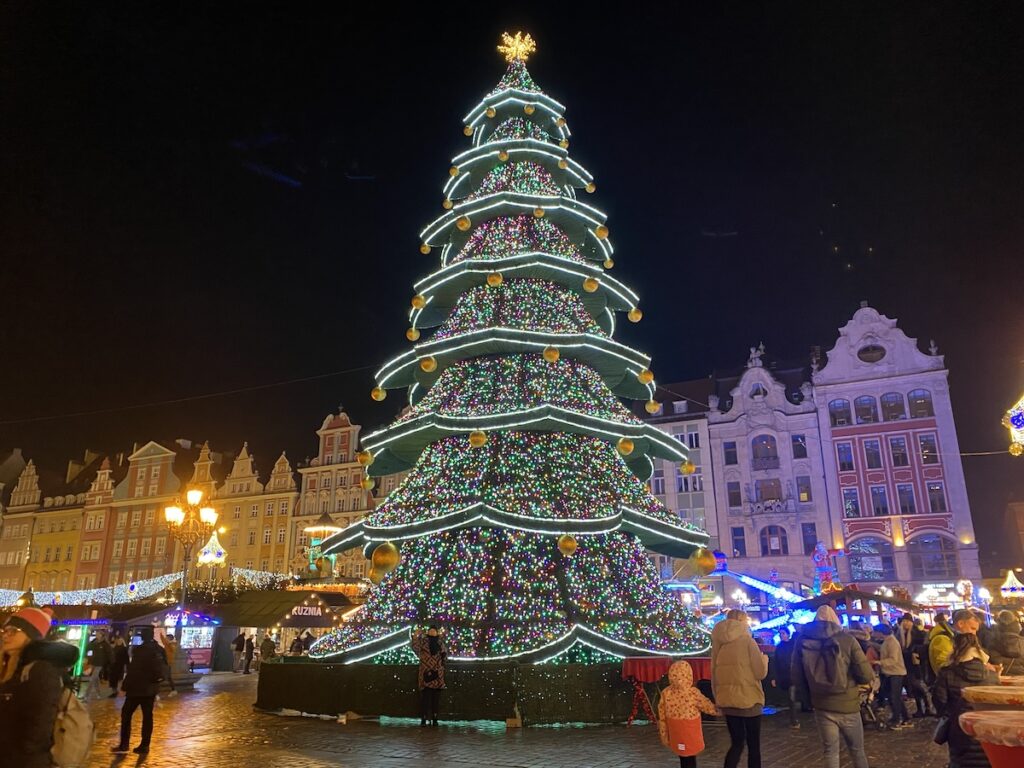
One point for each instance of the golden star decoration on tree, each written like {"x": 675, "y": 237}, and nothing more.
{"x": 518, "y": 47}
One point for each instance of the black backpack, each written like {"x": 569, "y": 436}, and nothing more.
{"x": 826, "y": 667}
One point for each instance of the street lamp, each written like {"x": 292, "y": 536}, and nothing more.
{"x": 188, "y": 525}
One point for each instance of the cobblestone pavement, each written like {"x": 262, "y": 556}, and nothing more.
{"x": 216, "y": 727}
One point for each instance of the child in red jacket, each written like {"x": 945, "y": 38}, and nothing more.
{"x": 679, "y": 715}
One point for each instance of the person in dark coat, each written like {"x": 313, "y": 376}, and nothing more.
{"x": 966, "y": 667}
{"x": 29, "y": 706}
{"x": 250, "y": 651}
{"x": 237, "y": 650}
{"x": 432, "y": 657}
{"x": 913, "y": 641}
{"x": 1007, "y": 644}
{"x": 141, "y": 684}
{"x": 781, "y": 677}
{"x": 99, "y": 656}
{"x": 118, "y": 664}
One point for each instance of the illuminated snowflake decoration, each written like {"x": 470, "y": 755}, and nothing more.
{"x": 518, "y": 47}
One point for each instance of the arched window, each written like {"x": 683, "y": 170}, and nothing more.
{"x": 765, "y": 452}
{"x": 933, "y": 557}
{"x": 920, "y": 404}
{"x": 774, "y": 541}
{"x": 866, "y": 409}
{"x": 839, "y": 413}
{"x": 893, "y": 408}
{"x": 871, "y": 559}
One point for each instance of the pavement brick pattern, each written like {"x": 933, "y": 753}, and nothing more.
{"x": 216, "y": 727}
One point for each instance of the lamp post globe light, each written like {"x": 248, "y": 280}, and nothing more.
{"x": 189, "y": 524}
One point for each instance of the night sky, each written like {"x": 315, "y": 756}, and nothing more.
{"x": 212, "y": 197}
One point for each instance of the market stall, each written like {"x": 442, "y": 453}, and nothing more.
{"x": 197, "y": 632}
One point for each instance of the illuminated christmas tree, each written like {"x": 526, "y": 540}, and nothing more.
{"x": 523, "y": 525}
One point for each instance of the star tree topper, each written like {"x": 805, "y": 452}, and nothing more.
{"x": 518, "y": 47}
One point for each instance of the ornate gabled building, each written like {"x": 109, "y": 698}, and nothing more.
{"x": 255, "y": 517}
{"x": 331, "y": 485}
{"x": 893, "y": 470}
{"x": 766, "y": 460}
{"x": 16, "y": 527}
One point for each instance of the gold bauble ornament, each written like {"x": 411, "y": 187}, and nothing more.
{"x": 551, "y": 354}
{"x": 477, "y": 438}
{"x": 375, "y": 576}
{"x": 468, "y": 130}
{"x": 494, "y": 279}
{"x": 560, "y": 122}
{"x": 646, "y": 376}
{"x": 625, "y": 446}
{"x": 608, "y": 263}
{"x": 538, "y": 213}
{"x": 319, "y": 564}
{"x": 529, "y": 109}
{"x": 652, "y": 406}
{"x": 1016, "y": 449}
{"x": 385, "y": 557}
{"x": 367, "y": 483}
{"x": 563, "y": 163}
{"x": 490, "y": 112}
{"x": 424, "y": 249}
{"x": 567, "y": 544}
{"x": 601, "y": 232}
{"x": 412, "y": 334}
{"x": 378, "y": 393}
{"x": 453, "y": 171}
{"x": 635, "y": 315}
{"x": 463, "y": 223}
{"x": 687, "y": 467}
{"x": 418, "y": 301}
{"x": 365, "y": 458}
{"x": 591, "y": 284}
{"x": 503, "y": 156}
{"x": 447, "y": 204}
{"x": 591, "y": 187}
{"x": 703, "y": 561}
{"x": 428, "y": 365}
{"x": 564, "y": 143}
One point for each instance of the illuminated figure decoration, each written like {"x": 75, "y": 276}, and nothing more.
{"x": 212, "y": 552}
{"x": 524, "y": 523}
{"x": 1014, "y": 421}
{"x": 826, "y": 579}
{"x": 320, "y": 564}
{"x": 1012, "y": 588}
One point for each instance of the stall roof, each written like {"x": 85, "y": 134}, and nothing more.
{"x": 267, "y": 608}
{"x": 843, "y": 595}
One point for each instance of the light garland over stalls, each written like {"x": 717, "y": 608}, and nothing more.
{"x": 509, "y": 594}
{"x": 259, "y": 579}
{"x": 116, "y": 595}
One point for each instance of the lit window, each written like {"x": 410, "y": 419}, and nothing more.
{"x": 929, "y": 449}
{"x": 893, "y": 408}
{"x": 774, "y": 541}
{"x": 866, "y": 409}
{"x": 851, "y": 503}
{"x": 739, "y": 542}
{"x": 839, "y": 413}
{"x": 803, "y": 488}
{"x": 871, "y": 559}
{"x": 920, "y": 404}
{"x": 936, "y": 497}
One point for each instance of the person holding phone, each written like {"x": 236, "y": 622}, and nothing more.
{"x": 141, "y": 684}
{"x": 432, "y": 655}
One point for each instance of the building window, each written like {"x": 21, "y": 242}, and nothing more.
{"x": 118, "y": 548}
{"x": 254, "y": 510}
{"x": 898, "y": 452}
{"x": 905, "y": 495}
{"x": 866, "y": 409}
{"x": 693, "y": 439}
{"x": 893, "y": 408}
{"x": 237, "y": 512}
{"x": 68, "y": 552}
{"x": 147, "y": 545}
{"x": 879, "y": 501}
{"x": 929, "y": 449}
{"x": 799, "y": 446}
{"x": 234, "y": 539}
{"x": 871, "y": 559}
{"x": 729, "y": 452}
{"x": 933, "y": 557}
{"x": 936, "y": 497}
{"x": 266, "y": 535}
{"x": 739, "y": 542}
{"x": 133, "y": 546}
{"x": 658, "y": 480}
{"x": 90, "y": 523}
{"x": 269, "y": 511}
{"x": 809, "y": 534}
{"x": 920, "y": 404}
{"x": 765, "y": 452}
{"x": 839, "y": 413}
{"x": 803, "y": 488}
{"x": 733, "y": 491}
{"x": 161, "y": 546}
{"x": 851, "y": 502}
{"x": 774, "y": 541}
{"x": 150, "y": 516}
{"x": 873, "y": 454}
{"x": 252, "y": 537}
{"x": 280, "y": 535}
{"x": 282, "y": 508}
{"x": 845, "y": 454}
{"x": 122, "y": 519}
{"x": 264, "y": 564}
{"x": 768, "y": 490}
{"x": 303, "y": 539}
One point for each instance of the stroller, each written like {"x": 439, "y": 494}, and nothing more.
{"x": 869, "y": 705}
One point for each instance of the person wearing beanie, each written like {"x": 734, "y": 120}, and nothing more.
{"x": 829, "y": 666}
{"x": 141, "y": 684}
{"x": 33, "y": 674}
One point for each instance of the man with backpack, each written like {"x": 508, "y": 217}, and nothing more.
{"x": 829, "y": 667}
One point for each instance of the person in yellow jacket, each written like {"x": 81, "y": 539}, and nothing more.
{"x": 940, "y": 639}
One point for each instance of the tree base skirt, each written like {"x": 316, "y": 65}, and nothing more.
{"x": 537, "y": 693}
